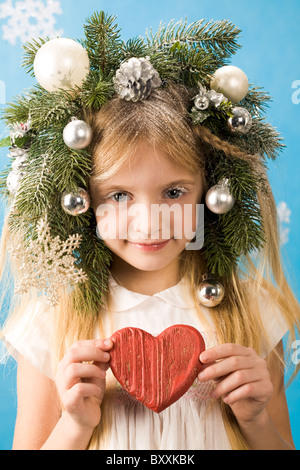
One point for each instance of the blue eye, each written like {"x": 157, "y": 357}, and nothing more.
{"x": 175, "y": 193}
{"x": 116, "y": 197}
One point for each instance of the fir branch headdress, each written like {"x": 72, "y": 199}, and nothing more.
{"x": 49, "y": 143}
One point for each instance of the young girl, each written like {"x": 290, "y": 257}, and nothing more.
{"x": 147, "y": 152}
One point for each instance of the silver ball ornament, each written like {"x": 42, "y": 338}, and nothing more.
{"x": 201, "y": 102}
{"x": 77, "y": 135}
{"x": 241, "y": 122}
{"x": 75, "y": 202}
{"x": 211, "y": 292}
{"x": 219, "y": 199}
{"x": 231, "y": 81}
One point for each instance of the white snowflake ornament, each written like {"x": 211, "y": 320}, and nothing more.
{"x": 48, "y": 263}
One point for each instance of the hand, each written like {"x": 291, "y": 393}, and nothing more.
{"x": 80, "y": 381}
{"x": 243, "y": 380}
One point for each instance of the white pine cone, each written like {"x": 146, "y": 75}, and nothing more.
{"x": 136, "y": 78}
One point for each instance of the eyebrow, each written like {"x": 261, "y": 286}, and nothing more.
{"x": 128, "y": 188}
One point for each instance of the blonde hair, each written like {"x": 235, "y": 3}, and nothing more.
{"x": 162, "y": 121}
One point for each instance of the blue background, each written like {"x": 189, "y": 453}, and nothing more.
{"x": 269, "y": 56}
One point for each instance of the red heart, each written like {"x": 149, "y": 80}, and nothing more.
{"x": 157, "y": 371}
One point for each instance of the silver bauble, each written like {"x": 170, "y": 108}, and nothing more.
{"x": 75, "y": 202}
{"x": 201, "y": 102}
{"x": 219, "y": 199}
{"x": 211, "y": 292}
{"x": 77, "y": 135}
{"x": 241, "y": 122}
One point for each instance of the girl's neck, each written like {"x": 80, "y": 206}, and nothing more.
{"x": 144, "y": 282}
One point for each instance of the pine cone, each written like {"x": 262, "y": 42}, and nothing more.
{"x": 136, "y": 78}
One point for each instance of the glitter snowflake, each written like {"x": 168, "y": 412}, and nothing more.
{"x": 48, "y": 263}
{"x": 29, "y": 19}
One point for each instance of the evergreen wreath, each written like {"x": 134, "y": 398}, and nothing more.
{"x": 44, "y": 167}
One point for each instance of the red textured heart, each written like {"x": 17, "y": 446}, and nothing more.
{"x": 157, "y": 371}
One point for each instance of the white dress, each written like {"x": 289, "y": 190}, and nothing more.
{"x": 193, "y": 422}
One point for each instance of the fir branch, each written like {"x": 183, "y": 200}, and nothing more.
{"x": 31, "y": 48}
{"x": 52, "y": 108}
{"x": 217, "y": 37}
{"x": 262, "y": 139}
{"x": 219, "y": 256}
{"x": 102, "y": 42}
{"x": 96, "y": 91}
{"x": 134, "y": 47}
{"x": 17, "y": 110}
{"x": 256, "y": 101}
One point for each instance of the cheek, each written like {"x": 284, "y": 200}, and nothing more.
{"x": 185, "y": 221}
{"x": 111, "y": 222}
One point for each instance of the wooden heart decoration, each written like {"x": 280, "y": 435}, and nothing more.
{"x": 157, "y": 371}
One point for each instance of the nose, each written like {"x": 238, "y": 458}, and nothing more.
{"x": 144, "y": 225}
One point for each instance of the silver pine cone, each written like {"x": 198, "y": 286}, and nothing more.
{"x": 135, "y": 79}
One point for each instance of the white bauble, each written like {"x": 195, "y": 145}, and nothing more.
{"x": 231, "y": 81}
{"x": 61, "y": 63}
{"x": 13, "y": 181}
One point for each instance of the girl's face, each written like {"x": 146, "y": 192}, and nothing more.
{"x": 146, "y": 212}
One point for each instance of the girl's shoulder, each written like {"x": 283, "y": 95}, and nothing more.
{"x": 31, "y": 333}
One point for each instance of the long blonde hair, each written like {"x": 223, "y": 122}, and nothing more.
{"x": 162, "y": 121}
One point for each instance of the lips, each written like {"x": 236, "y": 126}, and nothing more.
{"x": 151, "y": 246}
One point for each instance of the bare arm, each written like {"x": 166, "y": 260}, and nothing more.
{"x": 80, "y": 385}
{"x": 254, "y": 389}
{"x": 272, "y": 430}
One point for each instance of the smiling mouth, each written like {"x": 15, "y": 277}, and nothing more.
{"x": 151, "y": 246}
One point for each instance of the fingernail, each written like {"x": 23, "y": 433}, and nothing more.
{"x": 108, "y": 342}
{"x": 202, "y": 375}
{"x": 203, "y": 357}
{"x": 106, "y": 356}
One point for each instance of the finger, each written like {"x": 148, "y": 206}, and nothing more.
{"x": 104, "y": 344}
{"x": 250, "y": 390}
{"x": 234, "y": 381}
{"x": 85, "y": 354}
{"x": 78, "y": 371}
{"x": 224, "y": 350}
{"x": 80, "y": 391}
{"x": 224, "y": 367}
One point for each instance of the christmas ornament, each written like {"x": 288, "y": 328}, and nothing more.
{"x": 48, "y": 263}
{"x": 211, "y": 292}
{"x": 13, "y": 181}
{"x": 157, "y": 371}
{"x": 75, "y": 202}
{"x": 218, "y": 199}
{"x": 166, "y": 57}
{"x": 241, "y": 122}
{"x": 136, "y": 78}
{"x": 231, "y": 81}
{"x": 77, "y": 134}
{"x": 201, "y": 102}
{"x": 61, "y": 63}
{"x": 19, "y": 130}
{"x": 19, "y": 162}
